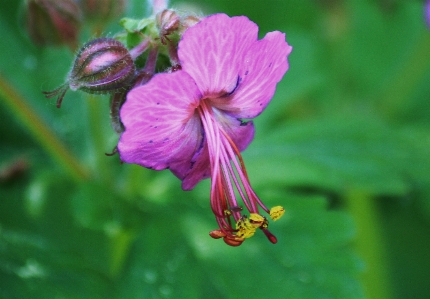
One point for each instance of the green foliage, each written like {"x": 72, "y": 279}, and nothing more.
{"x": 343, "y": 147}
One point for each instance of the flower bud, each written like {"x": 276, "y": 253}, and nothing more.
{"x": 103, "y": 65}
{"x": 187, "y": 22}
{"x": 99, "y": 12}
{"x": 167, "y": 22}
{"x": 53, "y": 22}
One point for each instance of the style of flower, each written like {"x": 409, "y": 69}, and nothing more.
{"x": 195, "y": 121}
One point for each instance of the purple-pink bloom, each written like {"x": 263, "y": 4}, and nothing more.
{"x": 193, "y": 121}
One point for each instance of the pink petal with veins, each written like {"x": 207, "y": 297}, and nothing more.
{"x": 264, "y": 65}
{"x": 161, "y": 127}
{"x": 212, "y": 52}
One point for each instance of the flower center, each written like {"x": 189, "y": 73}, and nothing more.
{"x": 230, "y": 186}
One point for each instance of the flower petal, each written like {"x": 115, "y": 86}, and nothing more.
{"x": 263, "y": 67}
{"x": 212, "y": 52}
{"x": 200, "y": 170}
{"x": 161, "y": 126}
{"x": 241, "y": 133}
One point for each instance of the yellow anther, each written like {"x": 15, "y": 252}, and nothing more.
{"x": 265, "y": 223}
{"x": 245, "y": 233}
{"x": 256, "y": 220}
{"x": 245, "y": 229}
{"x": 276, "y": 212}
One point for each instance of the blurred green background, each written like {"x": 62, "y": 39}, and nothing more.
{"x": 343, "y": 146}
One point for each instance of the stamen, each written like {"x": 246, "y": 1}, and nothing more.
{"x": 217, "y": 234}
{"x": 230, "y": 181}
{"x": 245, "y": 229}
{"x": 236, "y": 209}
{"x": 229, "y": 173}
{"x": 256, "y": 220}
{"x": 241, "y": 171}
{"x": 226, "y": 163}
{"x": 233, "y": 242}
{"x": 276, "y": 212}
{"x": 269, "y": 235}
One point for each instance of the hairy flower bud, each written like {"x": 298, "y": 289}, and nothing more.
{"x": 170, "y": 22}
{"x": 167, "y": 22}
{"x": 103, "y": 65}
{"x": 53, "y": 22}
{"x": 99, "y": 12}
{"x": 188, "y": 22}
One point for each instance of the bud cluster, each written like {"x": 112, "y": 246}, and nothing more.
{"x": 114, "y": 65}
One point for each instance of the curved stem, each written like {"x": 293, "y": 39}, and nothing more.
{"x": 40, "y": 131}
{"x": 370, "y": 244}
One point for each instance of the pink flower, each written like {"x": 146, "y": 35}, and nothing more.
{"x": 192, "y": 121}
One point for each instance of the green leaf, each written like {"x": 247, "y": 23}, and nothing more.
{"x": 33, "y": 266}
{"x": 44, "y": 255}
{"x": 333, "y": 154}
{"x": 133, "y": 25}
{"x": 160, "y": 264}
